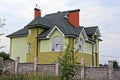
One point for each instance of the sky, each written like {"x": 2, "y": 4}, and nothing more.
{"x": 102, "y": 13}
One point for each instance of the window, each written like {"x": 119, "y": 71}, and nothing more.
{"x": 57, "y": 44}
{"x": 80, "y": 45}
{"x": 28, "y": 48}
{"x": 29, "y": 31}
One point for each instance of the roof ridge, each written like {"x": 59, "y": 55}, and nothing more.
{"x": 91, "y": 27}
{"x": 74, "y": 10}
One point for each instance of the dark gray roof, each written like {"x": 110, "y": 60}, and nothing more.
{"x": 91, "y": 30}
{"x": 40, "y": 22}
{"x": 21, "y": 32}
{"x": 48, "y": 22}
{"x": 59, "y": 20}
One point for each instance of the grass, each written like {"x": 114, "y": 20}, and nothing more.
{"x": 28, "y": 77}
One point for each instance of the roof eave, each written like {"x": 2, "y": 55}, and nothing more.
{"x": 14, "y": 36}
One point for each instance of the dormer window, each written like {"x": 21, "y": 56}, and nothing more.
{"x": 80, "y": 44}
{"x": 57, "y": 44}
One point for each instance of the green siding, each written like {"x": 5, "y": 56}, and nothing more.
{"x": 46, "y": 45}
{"x": 87, "y": 46}
{"x": 19, "y": 48}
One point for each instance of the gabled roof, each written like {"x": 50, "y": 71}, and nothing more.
{"x": 59, "y": 20}
{"x": 91, "y": 30}
{"x": 48, "y": 22}
{"x": 19, "y": 33}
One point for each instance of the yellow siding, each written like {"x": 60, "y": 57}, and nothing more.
{"x": 87, "y": 57}
{"x": 45, "y": 53}
{"x": 18, "y": 48}
{"x": 33, "y": 43}
{"x": 51, "y": 57}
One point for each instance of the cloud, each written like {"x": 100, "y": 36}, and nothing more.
{"x": 111, "y": 40}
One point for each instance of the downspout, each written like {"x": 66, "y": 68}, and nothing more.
{"x": 92, "y": 53}
{"x": 37, "y": 44}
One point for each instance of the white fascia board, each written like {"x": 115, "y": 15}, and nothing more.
{"x": 97, "y": 32}
{"x": 55, "y": 27}
{"x": 84, "y": 34}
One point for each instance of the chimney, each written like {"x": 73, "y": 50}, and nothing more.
{"x": 37, "y": 13}
{"x": 73, "y": 18}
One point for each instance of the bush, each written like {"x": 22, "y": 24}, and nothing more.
{"x": 0, "y": 71}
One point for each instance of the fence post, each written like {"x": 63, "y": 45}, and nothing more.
{"x": 82, "y": 62}
{"x": 35, "y": 63}
{"x": 110, "y": 70}
{"x": 82, "y": 68}
{"x": 17, "y": 61}
{"x": 57, "y": 68}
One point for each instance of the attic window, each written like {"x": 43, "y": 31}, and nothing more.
{"x": 80, "y": 45}
{"x": 57, "y": 44}
{"x": 29, "y": 31}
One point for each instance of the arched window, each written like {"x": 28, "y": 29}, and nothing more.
{"x": 80, "y": 45}
{"x": 57, "y": 44}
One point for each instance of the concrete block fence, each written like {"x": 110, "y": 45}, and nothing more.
{"x": 87, "y": 73}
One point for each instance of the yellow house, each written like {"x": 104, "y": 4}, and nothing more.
{"x": 45, "y": 37}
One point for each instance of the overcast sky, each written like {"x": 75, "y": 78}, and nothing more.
{"x": 102, "y": 13}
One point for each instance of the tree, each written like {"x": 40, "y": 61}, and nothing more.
{"x": 2, "y": 24}
{"x": 67, "y": 61}
{"x": 4, "y": 55}
{"x": 115, "y": 64}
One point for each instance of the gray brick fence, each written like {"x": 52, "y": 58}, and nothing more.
{"x": 87, "y": 73}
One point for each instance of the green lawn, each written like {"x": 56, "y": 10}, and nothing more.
{"x": 28, "y": 77}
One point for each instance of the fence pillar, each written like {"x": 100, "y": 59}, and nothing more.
{"x": 83, "y": 73}
{"x": 110, "y": 70}
{"x": 82, "y": 68}
{"x": 17, "y": 61}
{"x": 83, "y": 62}
{"x": 35, "y": 63}
{"x": 57, "y": 68}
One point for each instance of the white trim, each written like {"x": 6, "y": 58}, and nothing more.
{"x": 97, "y": 32}
{"x": 29, "y": 31}
{"x": 54, "y": 41}
{"x": 82, "y": 45}
{"x": 84, "y": 34}
{"x": 55, "y": 27}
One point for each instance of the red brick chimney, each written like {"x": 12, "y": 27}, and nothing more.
{"x": 37, "y": 13}
{"x": 73, "y": 18}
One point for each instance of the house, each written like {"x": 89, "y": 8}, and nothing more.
{"x": 45, "y": 37}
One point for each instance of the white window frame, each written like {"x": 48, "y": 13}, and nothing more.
{"x": 80, "y": 43}
{"x": 28, "y": 47}
{"x": 57, "y": 41}
{"x": 29, "y": 31}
